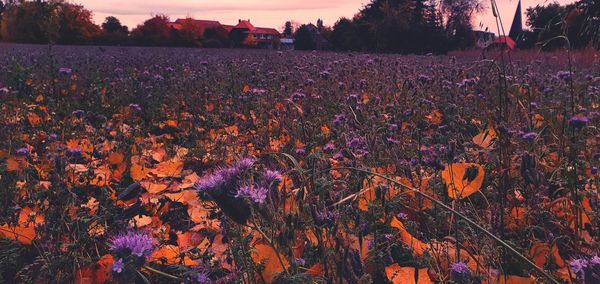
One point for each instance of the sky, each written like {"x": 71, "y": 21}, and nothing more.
{"x": 268, "y": 13}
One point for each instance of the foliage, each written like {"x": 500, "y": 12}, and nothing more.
{"x": 392, "y": 26}
{"x": 305, "y": 38}
{"x": 169, "y": 165}
{"x": 153, "y": 32}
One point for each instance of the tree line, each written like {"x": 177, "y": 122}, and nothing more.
{"x": 391, "y": 26}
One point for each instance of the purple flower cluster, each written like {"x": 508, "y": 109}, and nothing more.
{"x": 257, "y": 194}
{"x": 586, "y": 268}
{"x": 118, "y": 266}
{"x": 225, "y": 176}
{"x": 23, "y": 152}
{"x": 460, "y": 271}
{"x": 201, "y": 278}
{"x": 270, "y": 177}
{"x": 578, "y": 122}
{"x": 65, "y": 71}
{"x": 564, "y": 75}
{"x": 529, "y": 136}
{"x": 132, "y": 242}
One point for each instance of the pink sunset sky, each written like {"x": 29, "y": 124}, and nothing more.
{"x": 267, "y": 13}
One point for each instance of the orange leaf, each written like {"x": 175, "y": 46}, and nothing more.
{"x": 15, "y": 164}
{"x": 171, "y": 168}
{"x": 266, "y": 255}
{"x": 510, "y": 279}
{"x": 417, "y": 246}
{"x": 153, "y": 187}
{"x": 24, "y": 231}
{"x": 138, "y": 170}
{"x": 171, "y": 254}
{"x": 435, "y": 117}
{"x": 538, "y": 253}
{"x": 116, "y": 158}
{"x": 486, "y": 138}
{"x": 316, "y": 270}
{"x": 462, "y": 179}
{"x": 407, "y": 275}
{"x": 34, "y": 119}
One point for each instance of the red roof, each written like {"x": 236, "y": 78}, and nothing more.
{"x": 246, "y": 25}
{"x": 268, "y": 31}
{"x": 510, "y": 43}
{"x": 203, "y": 25}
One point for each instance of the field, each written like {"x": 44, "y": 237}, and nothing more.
{"x": 155, "y": 165}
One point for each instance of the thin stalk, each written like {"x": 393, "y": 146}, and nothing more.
{"x": 162, "y": 273}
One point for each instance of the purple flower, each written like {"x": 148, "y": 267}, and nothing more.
{"x": 423, "y": 79}
{"x": 22, "y": 152}
{"x": 300, "y": 261}
{"x": 578, "y": 122}
{"x": 136, "y": 243}
{"x": 244, "y": 164}
{"x": 225, "y": 176}
{"x": 201, "y": 278}
{"x": 78, "y": 113}
{"x": 370, "y": 244}
{"x": 257, "y": 194}
{"x": 460, "y": 271}
{"x": 135, "y": 107}
{"x": 212, "y": 181}
{"x": 338, "y": 156}
{"x": 53, "y": 137}
{"x": 300, "y": 151}
{"x": 578, "y": 265}
{"x": 118, "y": 266}
{"x": 76, "y": 152}
{"x": 529, "y": 136}
{"x": 595, "y": 260}
{"x": 564, "y": 75}
{"x": 298, "y": 96}
{"x": 339, "y": 118}
{"x": 65, "y": 71}
{"x": 329, "y": 147}
{"x": 393, "y": 141}
{"x": 271, "y": 177}
{"x": 402, "y": 216}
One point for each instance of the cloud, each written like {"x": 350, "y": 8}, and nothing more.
{"x": 137, "y": 7}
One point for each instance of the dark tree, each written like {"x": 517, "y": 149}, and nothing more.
{"x": 216, "y": 37}
{"x": 113, "y": 32}
{"x": 458, "y": 14}
{"x": 153, "y": 32}
{"x": 75, "y": 25}
{"x": 113, "y": 25}
{"x": 27, "y": 22}
{"x": 288, "y": 30}
{"x": 189, "y": 34}
{"x": 320, "y": 25}
{"x": 589, "y": 11}
{"x": 547, "y": 23}
{"x": 305, "y": 39}
{"x": 344, "y": 36}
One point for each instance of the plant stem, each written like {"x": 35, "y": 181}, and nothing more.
{"x": 162, "y": 273}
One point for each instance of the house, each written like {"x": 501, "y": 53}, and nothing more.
{"x": 242, "y": 34}
{"x": 202, "y": 25}
{"x": 287, "y": 43}
{"x": 251, "y": 35}
{"x": 484, "y": 38}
